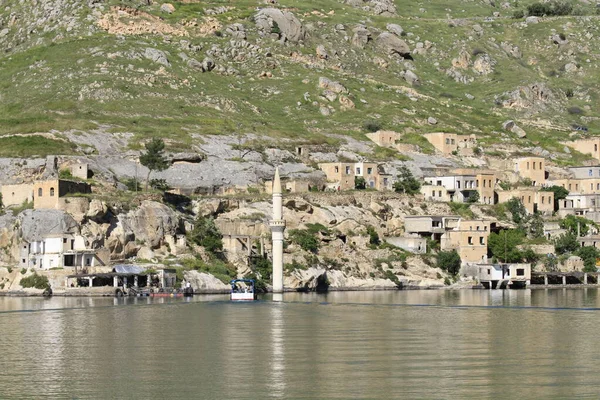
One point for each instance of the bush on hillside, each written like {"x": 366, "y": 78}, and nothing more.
{"x": 35, "y": 281}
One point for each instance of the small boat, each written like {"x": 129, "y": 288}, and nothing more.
{"x": 242, "y": 290}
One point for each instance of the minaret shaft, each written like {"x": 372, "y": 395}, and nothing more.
{"x": 277, "y": 228}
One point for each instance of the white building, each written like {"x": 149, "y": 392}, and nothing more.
{"x": 57, "y": 251}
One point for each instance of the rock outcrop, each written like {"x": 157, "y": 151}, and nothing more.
{"x": 284, "y": 23}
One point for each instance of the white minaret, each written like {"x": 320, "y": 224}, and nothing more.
{"x": 277, "y": 227}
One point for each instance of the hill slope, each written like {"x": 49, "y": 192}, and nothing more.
{"x": 183, "y": 70}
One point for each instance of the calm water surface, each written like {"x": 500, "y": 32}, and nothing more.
{"x": 374, "y": 345}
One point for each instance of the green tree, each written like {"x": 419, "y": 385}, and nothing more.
{"x": 154, "y": 158}
{"x": 359, "y": 183}
{"x": 406, "y": 182}
{"x": 449, "y": 261}
{"x": 589, "y": 255}
{"x": 566, "y": 243}
{"x": 473, "y": 197}
{"x": 517, "y": 209}
{"x": 503, "y": 245}
{"x": 536, "y": 226}
{"x": 206, "y": 234}
{"x": 576, "y": 224}
{"x": 560, "y": 193}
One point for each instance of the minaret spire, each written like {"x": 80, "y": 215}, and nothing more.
{"x": 277, "y": 225}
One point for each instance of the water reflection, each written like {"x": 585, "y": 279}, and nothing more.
{"x": 339, "y": 345}
{"x": 277, "y": 381}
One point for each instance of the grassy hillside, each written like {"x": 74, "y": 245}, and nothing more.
{"x": 58, "y": 76}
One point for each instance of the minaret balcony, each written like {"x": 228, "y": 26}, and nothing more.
{"x": 277, "y": 223}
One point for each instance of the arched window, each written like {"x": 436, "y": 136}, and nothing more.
{"x": 51, "y": 192}
{"x": 40, "y": 192}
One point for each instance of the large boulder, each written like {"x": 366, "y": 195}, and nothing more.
{"x": 392, "y": 45}
{"x": 290, "y": 28}
{"x": 158, "y": 56}
{"x": 203, "y": 282}
{"x": 36, "y": 224}
{"x": 148, "y": 224}
{"x": 361, "y": 36}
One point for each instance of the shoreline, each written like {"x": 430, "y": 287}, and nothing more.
{"x": 109, "y": 291}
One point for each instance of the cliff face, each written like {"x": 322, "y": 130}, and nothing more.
{"x": 344, "y": 257}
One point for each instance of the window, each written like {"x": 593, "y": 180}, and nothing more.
{"x": 489, "y": 271}
{"x": 477, "y": 227}
{"x": 541, "y": 165}
{"x": 595, "y": 147}
{"x": 347, "y": 170}
{"x": 447, "y": 141}
{"x": 590, "y": 172}
{"x": 40, "y": 192}
{"x": 534, "y": 165}
{"x": 64, "y": 240}
{"x": 357, "y": 170}
{"x": 440, "y": 193}
{"x": 577, "y": 186}
{"x": 385, "y": 181}
{"x": 433, "y": 193}
{"x": 529, "y": 199}
{"x": 439, "y": 183}
{"x": 591, "y": 186}
{"x": 23, "y": 260}
{"x": 569, "y": 186}
{"x": 483, "y": 183}
{"x": 490, "y": 183}
{"x": 51, "y": 192}
{"x": 337, "y": 170}
{"x": 543, "y": 199}
{"x": 520, "y": 272}
{"x": 527, "y": 164}
{"x": 452, "y": 141}
{"x": 88, "y": 261}
{"x": 369, "y": 171}
{"x": 482, "y": 240}
{"x": 470, "y": 239}
{"x": 458, "y": 184}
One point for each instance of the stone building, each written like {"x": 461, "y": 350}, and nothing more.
{"x": 469, "y": 239}
{"x": 532, "y": 168}
{"x": 59, "y": 251}
{"x": 461, "y": 183}
{"x": 80, "y": 170}
{"x": 15, "y": 195}
{"x": 385, "y": 138}
{"x": 587, "y": 146}
{"x": 532, "y": 198}
{"x": 448, "y": 143}
{"x": 340, "y": 176}
{"x": 50, "y": 194}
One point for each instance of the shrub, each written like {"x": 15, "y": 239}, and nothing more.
{"x": 305, "y": 239}
{"x": 519, "y": 14}
{"x": 373, "y": 236}
{"x": 275, "y": 28}
{"x": 574, "y": 110}
{"x": 359, "y": 183}
{"x": 372, "y": 126}
{"x": 159, "y": 184}
{"x": 65, "y": 174}
{"x": 392, "y": 277}
{"x": 569, "y": 93}
{"x": 23, "y": 271}
{"x": 132, "y": 184}
{"x": 35, "y": 281}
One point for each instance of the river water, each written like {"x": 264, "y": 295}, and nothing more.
{"x": 345, "y": 345}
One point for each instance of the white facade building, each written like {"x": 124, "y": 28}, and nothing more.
{"x": 57, "y": 251}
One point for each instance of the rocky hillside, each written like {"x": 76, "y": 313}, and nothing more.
{"x": 102, "y": 76}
